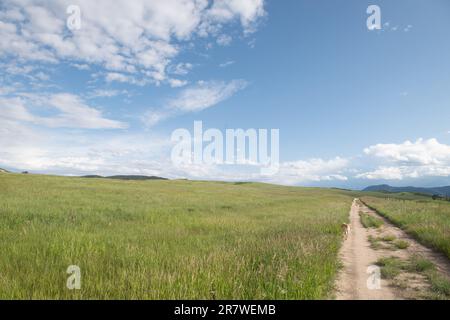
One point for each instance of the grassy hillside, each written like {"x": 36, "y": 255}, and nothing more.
{"x": 167, "y": 239}
{"x": 425, "y": 219}
{"x": 441, "y": 191}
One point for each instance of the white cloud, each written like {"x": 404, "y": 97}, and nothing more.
{"x": 205, "y": 94}
{"x": 148, "y": 155}
{"x": 408, "y": 28}
{"x": 136, "y": 37}
{"x": 403, "y": 172}
{"x": 181, "y": 69}
{"x": 106, "y": 93}
{"x": 382, "y": 173}
{"x": 290, "y": 173}
{"x": 77, "y": 153}
{"x": 102, "y": 153}
{"x": 153, "y": 117}
{"x": 74, "y": 113}
{"x": 421, "y": 152}
{"x": 79, "y": 66}
{"x": 5, "y": 90}
{"x": 224, "y": 40}
{"x": 12, "y": 153}
{"x": 14, "y": 109}
{"x": 16, "y": 69}
{"x": 226, "y": 64}
{"x": 247, "y": 11}
{"x": 71, "y": 111}
{"x": 311, "y": 170}
{"x": 176, "y": 83}
{"x": 409, "y": 160}
{"x": 42, "y": 76}
{"x": 195, "y": 98}
{"x": 118, "y": 77}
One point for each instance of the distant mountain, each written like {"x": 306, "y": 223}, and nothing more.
{"x": 125, "y": 177}
{"x": 3, "y": 171}
{"x": 441, "y": 191}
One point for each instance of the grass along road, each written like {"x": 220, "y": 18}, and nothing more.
{"x": 426, "y": 220}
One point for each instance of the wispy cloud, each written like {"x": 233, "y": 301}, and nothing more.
{"x": 106, "y": 93}
{"x": 177, "y": 83}
{"x": 71, "y": 112}
{"x": 311, "y": 170}
{"x": 180, "y": 69}
{"x": 195, "y": 98}
{"x": 387, "y": 27}
{"x": 226, "y": 64}
{"x": 224, "y": 40}
{"x": 205, "y": 94}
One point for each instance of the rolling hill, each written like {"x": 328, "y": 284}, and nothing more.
{"x": 441, "y": 191}
{"x": 174, "y": 239}
{"x": 126, "y": 177}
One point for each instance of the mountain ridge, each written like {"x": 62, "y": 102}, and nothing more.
{"x": 125, "y": 177}
{"x": 440, "y": 191}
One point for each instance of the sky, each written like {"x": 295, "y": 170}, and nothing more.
{"x": 354, "y": 107}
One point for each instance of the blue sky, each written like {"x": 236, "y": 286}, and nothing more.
{"x": 354, "y": 107}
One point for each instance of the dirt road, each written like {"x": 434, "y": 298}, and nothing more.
{"x": 358, "y": 254}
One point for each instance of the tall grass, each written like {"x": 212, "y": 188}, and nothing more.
{"x": 167, "y": 239}
{"x": 426, "y": 220}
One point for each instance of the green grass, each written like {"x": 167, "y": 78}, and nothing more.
{"x": 439, "y": 285}
{"x": 390, "y": 267}
{"x": 375, "y": 242}
{"x": 369, "y": 221}
{"x": 167, "y": 239}
{"x": 426, "y": 220}
{"x": 388, "y": 238}
{"x": 401, "y": 244}
{"x": 387, "y": 242}
{"x": 420, "y": 264}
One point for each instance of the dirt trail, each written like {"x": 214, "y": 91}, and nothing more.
{"x": 357, "y": 255}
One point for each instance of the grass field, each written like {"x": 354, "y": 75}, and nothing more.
{"x": 425, "y": 219}
{"x": 167, "y": 239}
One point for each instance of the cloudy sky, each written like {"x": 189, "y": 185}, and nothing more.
{"x": 354, "y": 107}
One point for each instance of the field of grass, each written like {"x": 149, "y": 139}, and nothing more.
{"x": 167, "y": 239}
{"x": 426, "y": 220}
